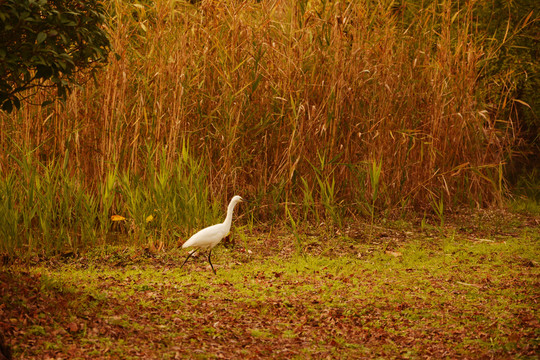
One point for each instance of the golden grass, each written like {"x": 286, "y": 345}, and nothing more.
{"x": 267, "y": 92}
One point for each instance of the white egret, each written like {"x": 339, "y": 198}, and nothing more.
{"x": 209, "y": 237}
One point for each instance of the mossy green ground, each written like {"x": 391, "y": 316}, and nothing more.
{"x": 465, "y": 291}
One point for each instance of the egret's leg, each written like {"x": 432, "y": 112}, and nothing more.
{"x": 190, "y": 253}
{"x": 210, "y": 253}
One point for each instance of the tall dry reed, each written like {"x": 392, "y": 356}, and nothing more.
{"x": 278, "y": 97}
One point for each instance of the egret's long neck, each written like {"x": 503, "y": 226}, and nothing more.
{"x": 228, "y": 219}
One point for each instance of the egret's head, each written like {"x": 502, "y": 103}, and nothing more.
{"x": 236, "y": 199}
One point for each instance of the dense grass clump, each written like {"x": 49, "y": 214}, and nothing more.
{"x": 335, "y": 108}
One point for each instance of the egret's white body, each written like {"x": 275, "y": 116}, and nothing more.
{"x": 209, "y": 237}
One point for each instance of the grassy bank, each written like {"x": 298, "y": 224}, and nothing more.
{"x": 406, "y": 294}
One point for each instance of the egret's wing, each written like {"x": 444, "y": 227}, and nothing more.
{"x": 207, "y": 237}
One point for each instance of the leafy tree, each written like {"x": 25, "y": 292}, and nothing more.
{"x": 45, "y": 43}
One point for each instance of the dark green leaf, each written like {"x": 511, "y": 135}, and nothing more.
{"x": 7, "y": 106}
{"x": 41, "y": 37}
{"x": 43, "y": 72}
{"x": 16, "y": 103}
